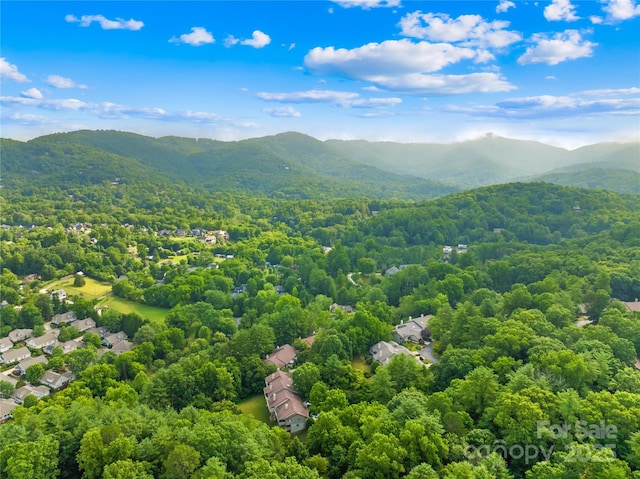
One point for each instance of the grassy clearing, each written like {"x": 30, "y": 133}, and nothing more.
{"x": 173, "y": 259}
{"x": 92, "y": 289}
{"x": 256, "y": 406}
{"x": 152, "y": 313}
{"x": 360, "y": 363}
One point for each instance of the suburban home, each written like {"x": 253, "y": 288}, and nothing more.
{"x": 28, "y": 278}
{"x": 282, "y": 356}
{"x": 6, "y": 409}
{"x": 284, "y": 404}
{"x": 61, "y": 294}
{"x": 21, "y": 393}
{"x": 113, "y": 339}
{"x": 8, "y": 379}
{"x": 102, "y": 331}
{"x": 42, "y": 341}
{"x": 309, "y": 340}
{"x": 633, "y": 306}
{"x": 17, "y": 335}
{"x": 56, "y": 381}
{"x": 25, "y": 363}
{"x": 15, "y": 355}
{"x": 122, "y": 346}
{"x": 69, "y": 346}
{"x": 63, "y": 318}
{"x": 5, "y": 344}
{"x": 411, "y": 330}
{"x": 83, "y": 325}
{"x": 344, "y": 307}
{"x": 385, "y": 350}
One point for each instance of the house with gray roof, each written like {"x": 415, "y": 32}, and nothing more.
{"x": 43, "y": 341}
{"x": 5, "y": 345}
{"x": 21, "y": 393}
{"x": 55, "y": 381}
{"x": 6, "y": 378}
{"x": 83, "y": 325}
{"x": 24, "y": 364}
{"x": 411, "y": 330}
{"x": 63, "y": 318}
{"x": 17, "y": 335}
{"x": 15, "y": 355}
{"x": 385, "y": 350}
{"x": 6, "y": 409}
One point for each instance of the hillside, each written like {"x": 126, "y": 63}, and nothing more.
{"x": 299, "y": 166}
{"x": 288, "y": 164}
{"x": 488, "y": 160}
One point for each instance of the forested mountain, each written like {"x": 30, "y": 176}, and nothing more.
{"x": 298, "y": 166}
{"x": 290, "y": 164}
{"x": 490, "y": 160}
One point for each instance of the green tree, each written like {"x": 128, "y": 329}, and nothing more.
{"x": 34, "y": 373}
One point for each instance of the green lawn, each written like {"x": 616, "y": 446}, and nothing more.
{"x": 257, "y": 407}
{"x": 92, "y": 289}
{"x": 360, "y": 363}
{"x": 152, "y": 313}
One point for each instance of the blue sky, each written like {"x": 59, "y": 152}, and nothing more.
{"x": 564, "y": 72}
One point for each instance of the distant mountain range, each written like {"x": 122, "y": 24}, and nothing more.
{"x": 296, "y": 165}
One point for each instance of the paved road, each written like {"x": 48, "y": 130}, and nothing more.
{"x": 349, "y": 277}
{"x": 427, "y": 352}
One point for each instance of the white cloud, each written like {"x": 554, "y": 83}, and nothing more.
{"x": 230, "y": 41}
{"x": 283, "y": 112}
{"x": 504, "y": 5}
{"x": 32, "y": 93}
{"x": 309, "y": 96}
{"x": 391, "y": 57}
{"x": 367, "y": 4}
{"x": 417, "y": 83}
{"x": 10, "y": 71}
{"x": 105, "y": 23}
{"x": 25, "y": 119}
{"x": 339, "y": 98}
{"x": 198, "y": 36}
{"x": 258, "y": 40}
{"x": 563, "y": 46}
{"x": 619, "y": 10}
{"x": 552, "y": 107}
{"x": 560, "y": 10}
{"x": 469, "y": 30}
{"x": 613, "y": 91}
{"x": 550, "y": 77}
{"x": 58, "y": 81}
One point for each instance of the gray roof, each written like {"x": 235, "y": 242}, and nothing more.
{"x": 385, "y": 350}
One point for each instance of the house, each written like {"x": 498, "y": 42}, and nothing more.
{"x": 633, "y": 306}
{"x": 113, "y": 339}
{"x": 5, "y": 344}
{"x": 42, "y": 341}
{"x": 282, "y": 356}
{"x": 346, "y": 308}
{"x": 21, "y": 393}
{"x": 23, "y": 365}
{"x": 411, "y": 330}
{"x": 63, "y": 318}
{"x": 69, "y": 346}
{"x": 385, "y": 350}
{"x": 6, "y": 409}
{"x": 61, "y": 294}
{"x": 83, "y": 325}
{"x": 122, "y": 346}
{"x": 28, "y": 278}
{"x": 309, "y": 340}
{"x": 56, "y": 381}
{"x": 15, "y": 355}
{"x": 279, "y": 289}
{"x": 102, "y": 331}
{"x": 284, "y": 404}
{"x": 8, "y": 379}
{"x": 17, "y": 335}
{"x": 447, "y": 250}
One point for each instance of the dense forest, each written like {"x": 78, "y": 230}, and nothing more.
{"x": 533, "y": 336}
